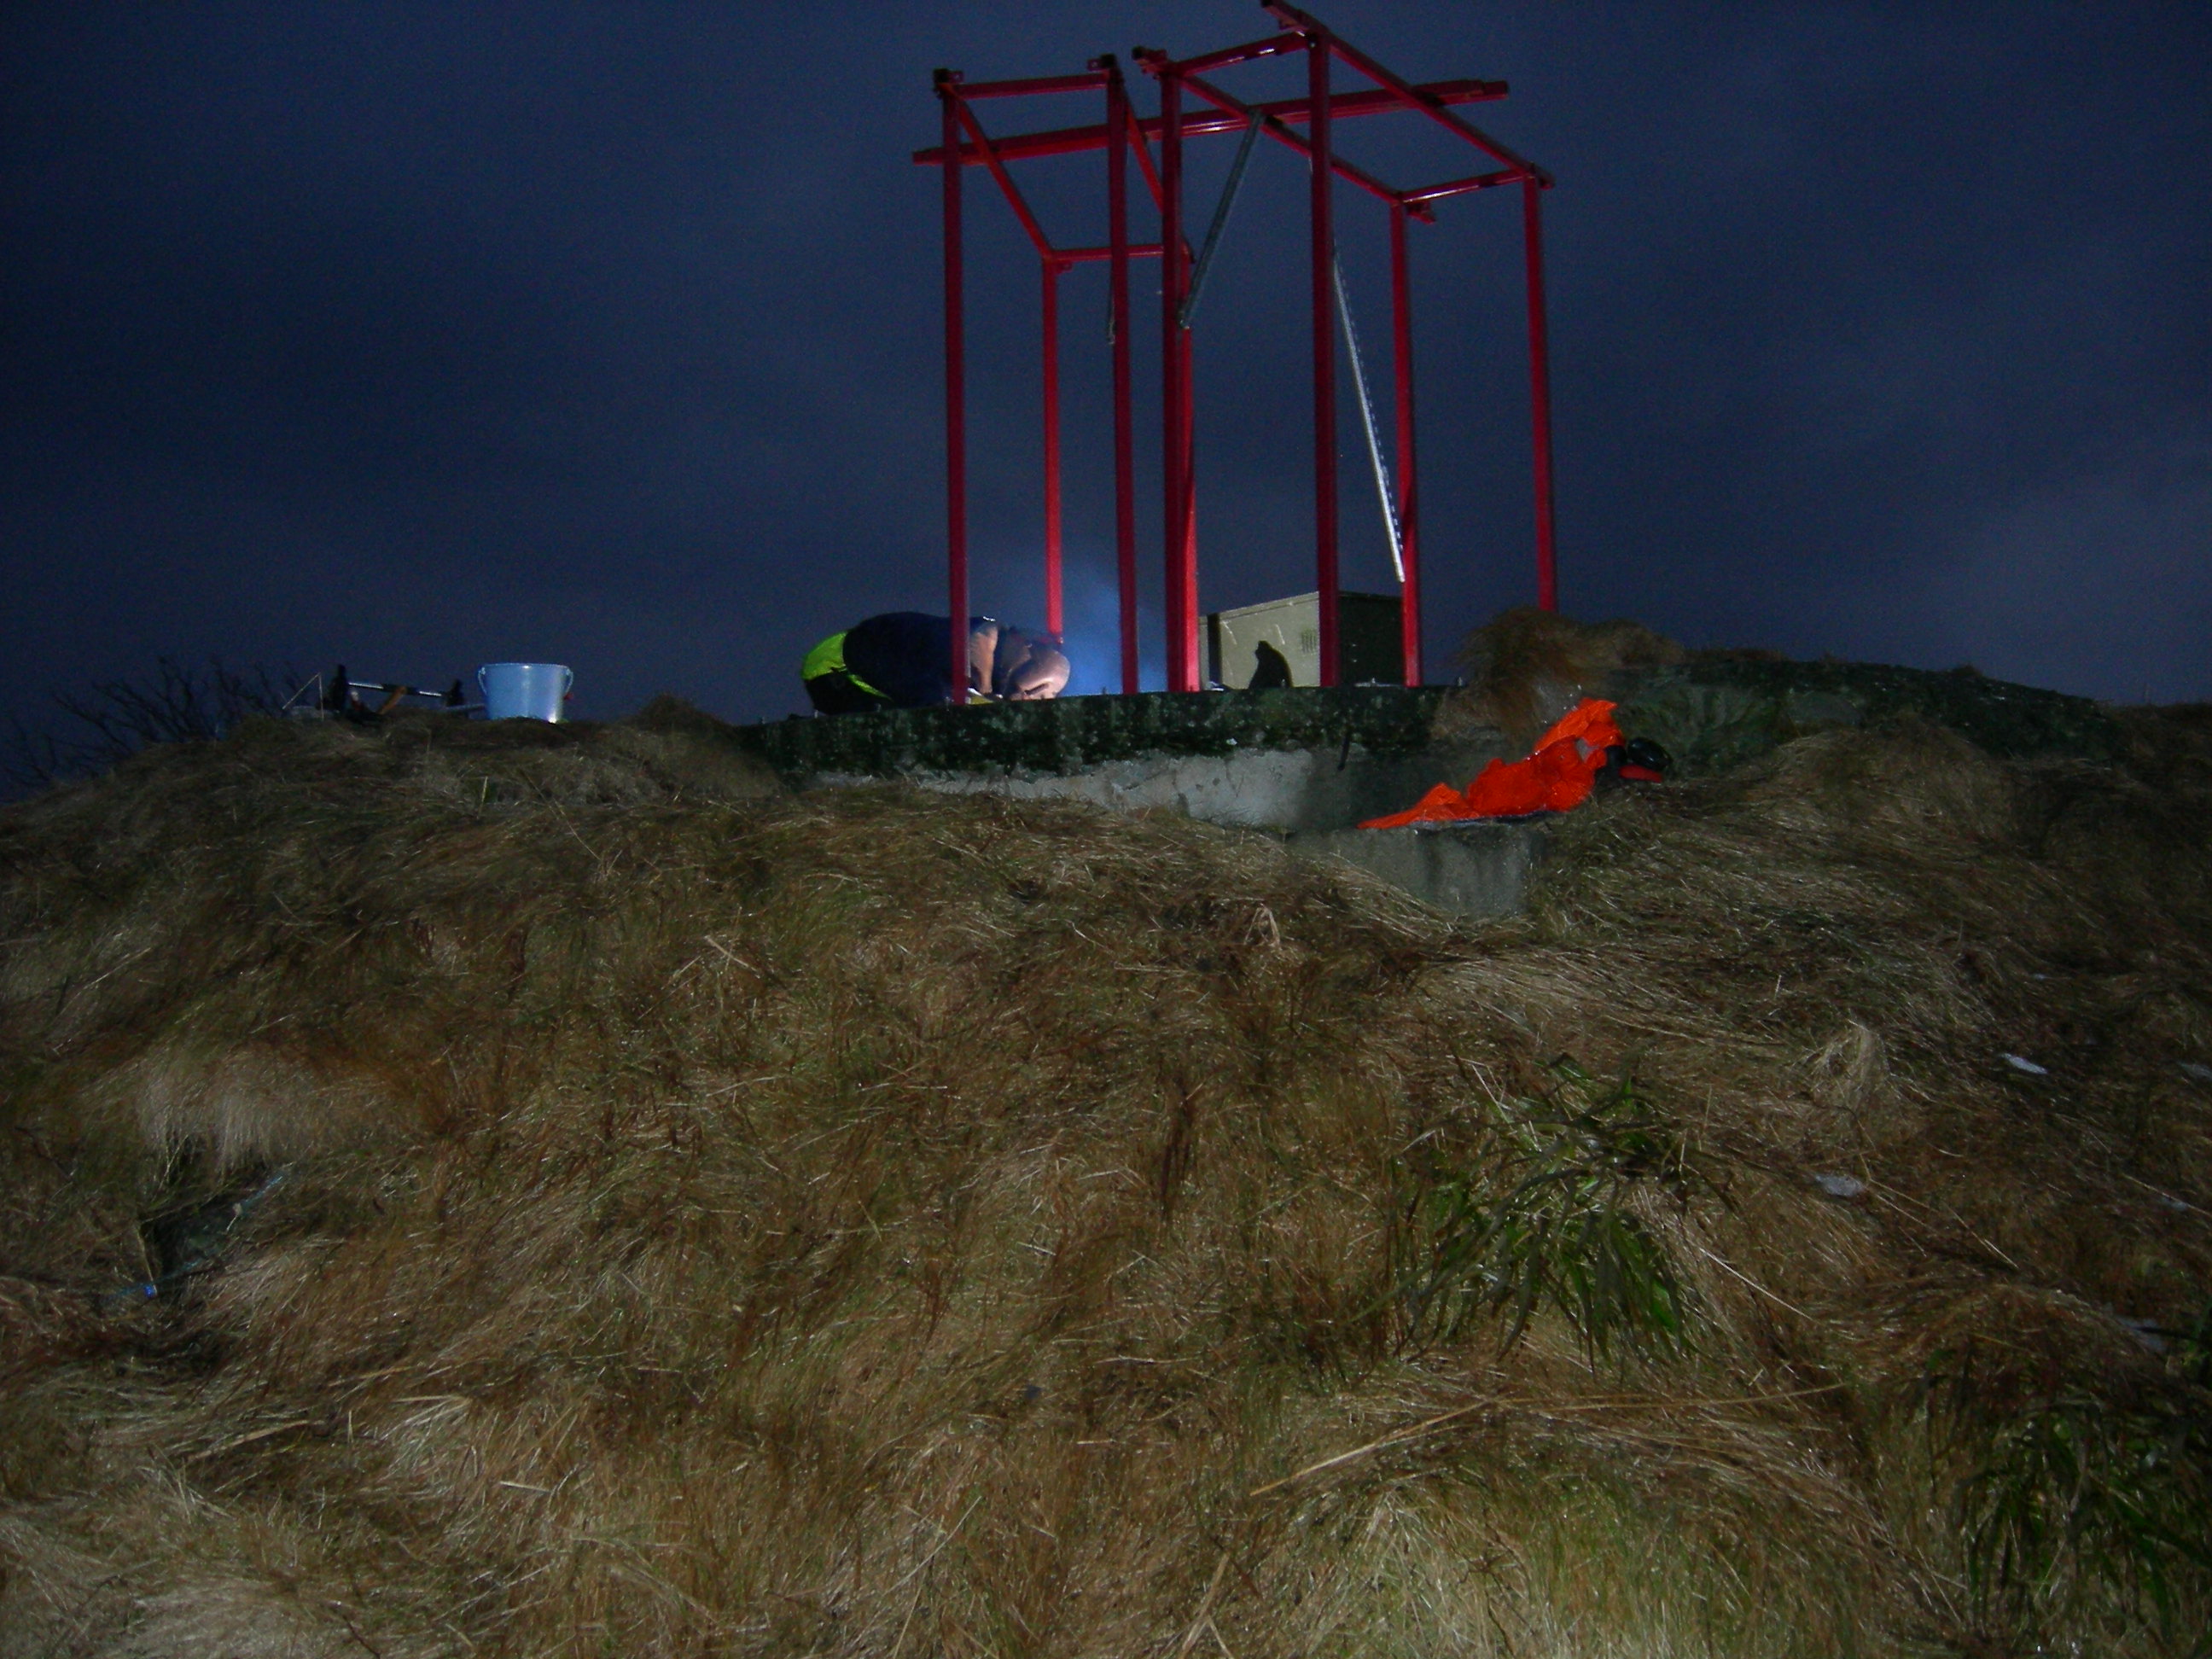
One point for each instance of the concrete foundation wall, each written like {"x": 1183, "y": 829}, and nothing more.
{"x": 1311, "y": 800}
{"x": 1474, "y": 870}
{"x": 1286, "y": 791}
{"x": 1307, "y": 765}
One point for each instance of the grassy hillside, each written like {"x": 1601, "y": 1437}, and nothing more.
{"x": 538, "y": 1191}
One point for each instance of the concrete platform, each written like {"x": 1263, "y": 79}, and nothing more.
{"x": 1307, "y": 765}
{"x": 1311, "y": 800}
{"x": 1302, "y": 791}
{"x": 1474, "y": 869}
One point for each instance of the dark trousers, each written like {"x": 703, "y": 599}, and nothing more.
{"x": 835, "y": 694}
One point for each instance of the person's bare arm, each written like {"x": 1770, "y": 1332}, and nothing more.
{"x": 983, "y": 655}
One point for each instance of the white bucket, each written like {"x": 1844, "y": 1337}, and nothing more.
{"x": 524, "y": 690}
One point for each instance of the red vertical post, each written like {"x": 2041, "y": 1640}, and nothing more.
{"x": 1191, "y": 655}
{"x": 1540, "y": 394}
{"x": 1409, "y": 537}
{"x": 1125, "y": 476}
{"x": 1053, "y": 622}
{"x": 1324, "y": 350}
{"x": 956, "y": 401}
{"x": 1175, "y": 403}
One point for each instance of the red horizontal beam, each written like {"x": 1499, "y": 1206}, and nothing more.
{"x": 1039, "y": 84}
{"x": 1078, "y": 255}
{"x": 1274, "y": 46}
{"x": 1459, "y": 186}
{"x": 1069, "y": 141}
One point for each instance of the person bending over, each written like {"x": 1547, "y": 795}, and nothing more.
{"x": 898, "y": 660}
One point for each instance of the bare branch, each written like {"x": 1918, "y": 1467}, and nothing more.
{"x": 115, "y": 719}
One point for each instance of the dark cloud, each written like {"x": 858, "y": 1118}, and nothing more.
{"x": 423, "y": 335}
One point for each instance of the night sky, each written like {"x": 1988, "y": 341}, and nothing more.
{"x": 421, "y": 336}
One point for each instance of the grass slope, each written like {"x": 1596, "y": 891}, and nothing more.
{"x": 538, "y": 1191}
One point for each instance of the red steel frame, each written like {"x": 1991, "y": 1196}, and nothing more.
{"x": 1123, "y": 133}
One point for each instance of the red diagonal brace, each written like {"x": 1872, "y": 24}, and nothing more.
{"x": 999, "y": 171}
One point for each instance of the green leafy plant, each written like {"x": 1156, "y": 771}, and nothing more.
{"x": 2076, "y": 1501}
{"x": 1548, "y": 1223}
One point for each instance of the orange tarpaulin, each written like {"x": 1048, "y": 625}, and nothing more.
{"x": 1559, "y": 775}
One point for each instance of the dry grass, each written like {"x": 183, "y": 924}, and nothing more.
{"x": 889, "y": 1224}
{"x": 1526, "y": 667}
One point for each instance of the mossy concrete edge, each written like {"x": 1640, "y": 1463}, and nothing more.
{"x": 1711, "y": 715}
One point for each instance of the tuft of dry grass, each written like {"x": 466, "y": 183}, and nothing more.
{"x": 593, "y": 1202}
{"x": 1527, "y": 667}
